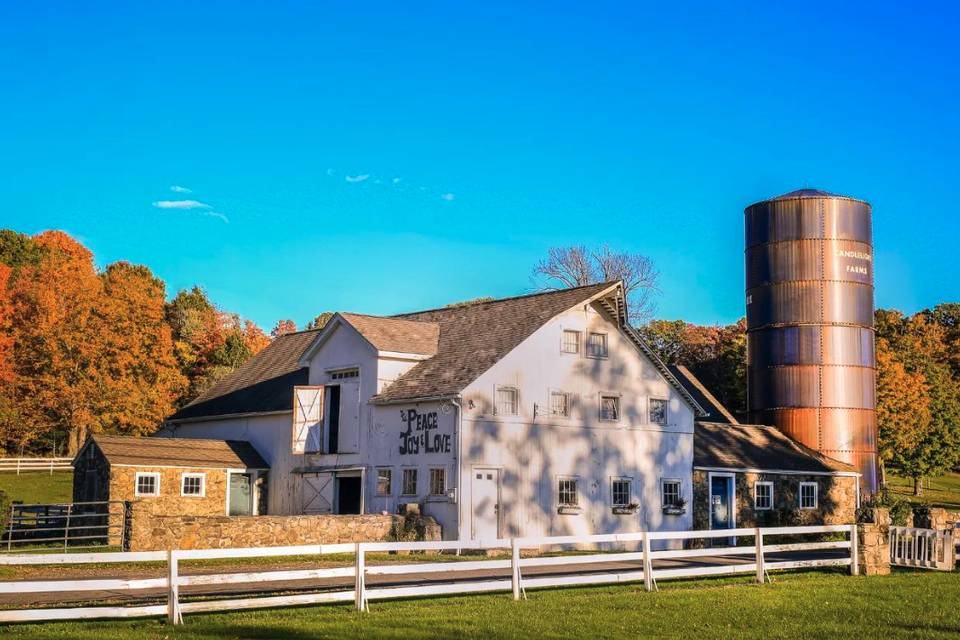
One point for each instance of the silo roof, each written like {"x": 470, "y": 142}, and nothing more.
{"x": 800, "y": 194}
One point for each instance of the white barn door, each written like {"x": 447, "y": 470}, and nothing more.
{"x": 316, "y": 493}
{"x": 307, "y": 428}
{"x": 349, "y": 440}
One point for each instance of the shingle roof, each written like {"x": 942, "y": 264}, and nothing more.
{"x": 747, "y": 446}
{"x": 473, "y": 337}
{"x": 180, "y": 452}
{"x": 264, "y": 383}
{"x": 396, "y": 334}
{"x": 715, "y": 411}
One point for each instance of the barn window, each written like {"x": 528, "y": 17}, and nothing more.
{"x": 610, "y": 408}
{"x": 344, "y": 374}
{"x": 507, "y": 401}
{"x": 670, "y": 492}
{"x": 147, "y": 484}
{"x": 438, "y": 481}
{"x": 658, "y": 411}
{"x": 620, "y": 492}
{"x": 559, "y": 404}
{"x": 409, "y": 482}
{"x": 571, "y": 341}
{"x": 597, "y": 345}
{"x": 567, "y": 495}
{"x": 808, "y": 495}
{"x": 384, "y": 482}
{"x": 763, "y": 496}
{"x": 193, "y": 484}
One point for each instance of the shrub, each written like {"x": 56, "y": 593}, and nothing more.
{"x": 900, "y": 510}
{"x": 410, "y": 530}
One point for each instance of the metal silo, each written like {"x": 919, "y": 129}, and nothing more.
{"x": 810, "y": 351}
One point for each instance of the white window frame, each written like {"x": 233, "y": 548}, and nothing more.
{"x": 816, "y": 497}
{"x": 496, "y": 399}
{"x": 344, "y": 373}
{"x": 756, "y": 495}
{"x": 376, "y": 486}
{"x": 145, "y": 474}
{"x": 203, "y": 485}
{"x": 576, "y": 492}
{"x": 443, "y": 490}
{"x": 563, "y": 341}
{"x": 666, "y": 411}
{"x": 551, "y": 393}
{"x": 606, "y": 345}
{"x": 616, "y": 397}
{"x": 403, "y": 481}
{"x": 613, "y": 481}
{"x": 663, "y": 490}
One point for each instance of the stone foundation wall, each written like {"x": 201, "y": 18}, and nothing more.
{"x": 150, "y": 532}
{"x": 836, "y": 500}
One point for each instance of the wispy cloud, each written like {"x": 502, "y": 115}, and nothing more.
{"x": 178, "y": 189}
{"x": 359, "y": 178}
{"x": 448, "y": 197}
{"x": 181, "y": 204}
{"x": 216, "y": 214}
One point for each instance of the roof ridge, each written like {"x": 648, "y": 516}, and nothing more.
{"x": 468, "y": 303}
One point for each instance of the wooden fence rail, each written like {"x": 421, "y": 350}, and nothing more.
{"x": 922, "y": 548}
{"x": 23, "y": 465}
{"x": 360, "y": 594}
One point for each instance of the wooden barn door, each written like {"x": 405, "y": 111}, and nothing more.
{"x": 307, "y": 428}
{"x": 316, "y": 493}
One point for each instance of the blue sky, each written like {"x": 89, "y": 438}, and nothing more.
{"x": 387, "y": 157}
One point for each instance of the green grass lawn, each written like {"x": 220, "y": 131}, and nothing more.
{"x": 38, "y": 487}
{"x": 939, "y": 492}
{"x": 808, "y": 605}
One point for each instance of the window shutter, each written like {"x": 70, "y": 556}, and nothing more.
{"x": 307, "y": 428}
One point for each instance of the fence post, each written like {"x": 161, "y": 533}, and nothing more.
{"x": 173, "y": 592}
{"x": 647, "y": 564}
{"x": 18, "y": 466}
{"x": 758, "y": 538}
{"x": 515, "y": 568}
{"x": 854, "y": 550}
{"x": 10, "y": 528}
{"x": 66, "y": 527}
{"x": 360, "y": 587}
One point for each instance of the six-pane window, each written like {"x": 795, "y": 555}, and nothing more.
{"x": 384, "y": 482}
{"x": 597, "y": 345}
{"x": 670, "y": 493}
{"x": 658, "y": 411}
{"x": 559, "y": 404}
{"x": 409, "y": 482}
{"x": 571, "y": 341}
{"x": 609, "y": 408}
{"x": 147, "y": 484}
{"x": 507, "y": 401}
{"x": 763, "y": 496}
{"x": 567, "y": 492}
{"x": 808, "y": 495}
{"x": 192, "y": 484}
{"x": 344, "y": 374}
{"x": 438, "y": 481}
{"x": 620, "y": 492}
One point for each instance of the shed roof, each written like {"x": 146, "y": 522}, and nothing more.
{"x": 748, "y": 446}
{"x": 179, "y": 452}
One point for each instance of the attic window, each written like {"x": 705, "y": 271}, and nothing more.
{"x": 658, "y": 411}
{"x": 507, "y": 401}
{"x": 571, "y": 341}
{"x": 344, "y": 374}
{"x": 597, "y": 345}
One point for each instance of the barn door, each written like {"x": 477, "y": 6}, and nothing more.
{"x": 316, "y": 493}
{"x": 307, "y": 428}
{"x": 349, "y": 437}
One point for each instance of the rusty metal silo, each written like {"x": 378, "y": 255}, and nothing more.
{"x": 810, "y": 348}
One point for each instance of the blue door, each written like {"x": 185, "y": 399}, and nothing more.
{"x": 721, "y": 515}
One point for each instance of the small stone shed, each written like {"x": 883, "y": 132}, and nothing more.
{"x": 172, "y": 475}
{"x": 752, "y": 475}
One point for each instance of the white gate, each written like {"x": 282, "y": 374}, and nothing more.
{"x": 922, "y": 548}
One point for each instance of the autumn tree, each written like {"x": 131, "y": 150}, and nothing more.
{"x": 578, "y": 265}
{"x": 320, "y": 321}
{"x": 903, "y": 407}
{"x": 282, "y": 328}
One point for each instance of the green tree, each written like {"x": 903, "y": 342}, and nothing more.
{"x": 320, "y": 321}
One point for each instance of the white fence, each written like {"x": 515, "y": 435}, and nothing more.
{"x": 922, "y": 548}
{"x": 360, "y": 594}
{"x": 23, "y": 465}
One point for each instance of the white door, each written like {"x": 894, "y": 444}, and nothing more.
{"x": 307, "y": 419}
{"x": 485, "y": 496}
{"x": 349, "y": 441}
{"x": 316, "y": 493}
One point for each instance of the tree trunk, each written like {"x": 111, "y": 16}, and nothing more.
{"x": 918, "y": 486}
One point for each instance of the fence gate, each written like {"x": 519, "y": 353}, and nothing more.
{"x": 73, "y": 525}
{"x": 922, "y": 548}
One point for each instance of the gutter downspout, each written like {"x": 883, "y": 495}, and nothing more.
{"x": 456, "y": 402}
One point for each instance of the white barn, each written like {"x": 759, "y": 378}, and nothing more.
{"x": 542, "y": 414}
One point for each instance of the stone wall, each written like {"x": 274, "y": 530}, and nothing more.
{"x": 873, "y": 550}
{"x": 148, "y": 531}
{"x": 836, "y": 500}
{"x": 940, "y": 519}
{"x": 213, "y": 502}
